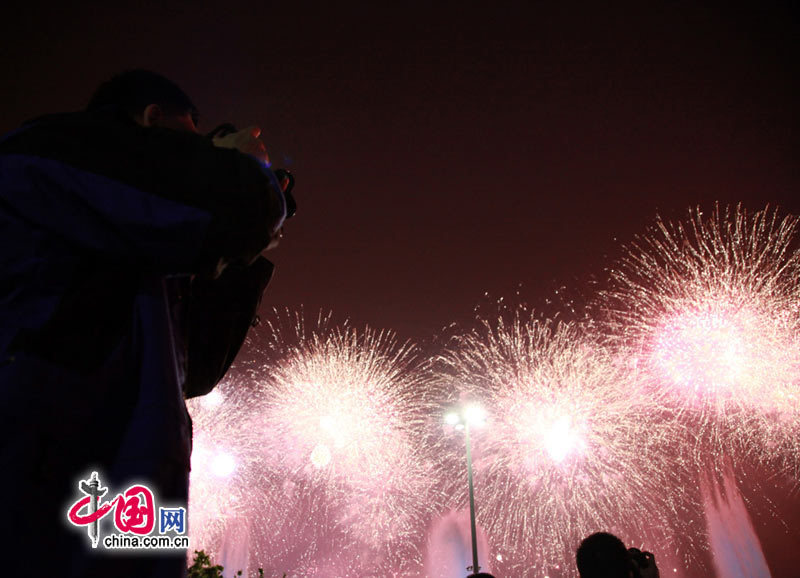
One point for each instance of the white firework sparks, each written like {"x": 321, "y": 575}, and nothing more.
{"x": 712, "y": 308}
{"x": 569, "y": 447}
{"x": 340, "y": 418}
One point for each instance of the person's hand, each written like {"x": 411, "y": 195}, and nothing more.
{"x": 645, "y": 563}
{"x": 245, "y": 141}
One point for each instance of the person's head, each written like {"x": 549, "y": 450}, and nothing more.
{"x": 603, "y": 555}
{"x": 147, "y": 98}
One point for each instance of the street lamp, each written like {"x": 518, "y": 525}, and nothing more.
{"x": 462, "y": 418}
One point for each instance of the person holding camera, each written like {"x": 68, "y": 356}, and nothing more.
{"x": 132, "y": 268}
{"x": 603, "y": 555}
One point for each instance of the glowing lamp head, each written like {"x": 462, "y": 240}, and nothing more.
{"x": 452, "y": 418}
{"x": 472, "y": 415}
{"x": 475, "y": 415}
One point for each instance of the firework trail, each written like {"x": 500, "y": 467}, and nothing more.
{"x": 569, "y": 447}
{"x": 712, "y": 309}
{"x": 338, "y": 415}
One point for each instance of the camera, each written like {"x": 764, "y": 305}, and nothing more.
{"x": 281, "y": 174}
{"x": 643, "y": 564}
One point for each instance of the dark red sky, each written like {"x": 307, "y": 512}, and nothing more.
{"x": 443, "y": 152}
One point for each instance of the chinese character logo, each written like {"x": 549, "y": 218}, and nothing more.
{"x": 94, "y": 492}
{"x": 134, "y": 510}
{"x": 172, "y": 519}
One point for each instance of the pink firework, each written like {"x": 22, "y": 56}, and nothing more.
{"x": 712, "y": 308}
{"x": 224, "y": 457}
{"x": 339, "y": 414}
{"x": 570, "y": 446}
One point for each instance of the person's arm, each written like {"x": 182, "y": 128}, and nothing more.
{"x": 221, "y": 312}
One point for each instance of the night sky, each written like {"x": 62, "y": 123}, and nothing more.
{"x": 447, "y": 152}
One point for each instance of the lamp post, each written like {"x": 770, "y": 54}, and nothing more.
{"x": 462, "y": 418}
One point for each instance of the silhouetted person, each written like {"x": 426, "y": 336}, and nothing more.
{"x": 124, "y": 236}
{"x": 603, "y": 555}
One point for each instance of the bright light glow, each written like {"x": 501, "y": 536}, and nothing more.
{"x": 223, "y": 465}
{"x": 330, "y": 445}
{"x": 321, "y": 456}
{"x": 562, "y": 438}
{"x": 706, "y": 351}
{"x": 212, "y": 399}
{"x": 712, "y": 308}
{"x": 452, "y": 418}
{"x": 327, "y": 423}
{"x": 572, "y": 446}
{"x": 222, "y": 449}
{"x": 338, "y": 415}
{"x": 472, "y": 414}
{"x": 475, "y": 415}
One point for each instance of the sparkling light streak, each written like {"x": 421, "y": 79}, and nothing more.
{"x": 223, "y": 459}
{"x": 570, "y": 447}
{"x": 331, "y": 444}
{"x": 340, "y": 418}
{"x": 711, "y": 307}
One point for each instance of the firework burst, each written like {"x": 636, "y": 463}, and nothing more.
{"x": 339, "y": 414}
{"x": 224, "y": 461}
{"x": 712, "y": 309}
{"x": 568, "y": 448}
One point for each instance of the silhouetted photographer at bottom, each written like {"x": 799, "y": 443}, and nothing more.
{"x": 603, "y": 555}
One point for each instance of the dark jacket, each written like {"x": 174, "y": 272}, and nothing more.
{"x": 112, "y": 237}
